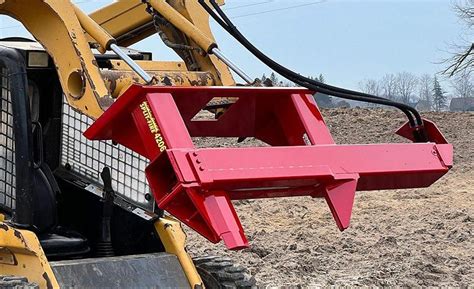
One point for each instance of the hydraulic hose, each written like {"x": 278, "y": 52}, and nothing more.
{"x": 230, "y": 27}
{"x": 324, "y": 88}
{"x": 412, "y": 114}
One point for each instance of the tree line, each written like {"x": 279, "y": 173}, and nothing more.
{"x": 424, "y": 92}
{"x": 323, "y": 100}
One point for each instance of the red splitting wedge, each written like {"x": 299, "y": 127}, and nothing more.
{"x": 197, "y": 185}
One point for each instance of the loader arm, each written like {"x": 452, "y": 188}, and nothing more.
{"x": 68, "y": 46}
{"x": 127, "y": 21}
{"x": 84, "y": 84}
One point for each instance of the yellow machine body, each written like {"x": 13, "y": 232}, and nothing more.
{"x": 21, "y": 255}
{"x": 125, "y": 22}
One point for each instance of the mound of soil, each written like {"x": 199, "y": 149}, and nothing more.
{"x": 420, "y": 237}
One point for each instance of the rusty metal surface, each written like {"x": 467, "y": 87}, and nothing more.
{"x": 174, "y": 239}
{"x": 70, "y": 50}
{"x": 174, "y": 66}
{"x": 127, "y": 21}
{"x": 118, "y": 81}
{"x": 67, "y": 46}
{"x": 23, "y": 256}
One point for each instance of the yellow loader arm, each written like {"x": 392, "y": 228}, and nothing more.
{"x": 126, "y": 21}
{"x": 68, "y": 34}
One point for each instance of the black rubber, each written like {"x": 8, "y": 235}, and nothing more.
{"x": 14, "y": 282}
{"x": 316, "y": 86}
{"x": 219, "y": 272}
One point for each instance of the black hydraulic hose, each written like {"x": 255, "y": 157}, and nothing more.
{"x": 344, "y": 95}
{"x": 303, "y": 81}
{"x": 332, "y": 90}
{"x": 158, "y": 22}
{"x": 232, "y": 29}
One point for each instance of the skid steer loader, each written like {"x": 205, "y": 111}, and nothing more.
{"x": 79, "y": 213}
{"x": 98, "y": 166}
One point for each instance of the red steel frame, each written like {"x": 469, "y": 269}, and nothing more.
{"x": 197, "y": 185}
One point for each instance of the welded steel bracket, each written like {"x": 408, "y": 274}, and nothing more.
{"x": 197, "y": 185}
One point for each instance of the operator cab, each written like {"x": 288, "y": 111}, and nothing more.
{"x": 43, "y": 162}
{"x": 25, "y": 130}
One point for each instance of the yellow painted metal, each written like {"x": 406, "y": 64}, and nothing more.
{"x": 193, "y": 11}
{"x": 119, "y": 76}
{"x": 55, "y": 25}
{"x": 21, "y": 255}
{"x": 174, "y": 240}
{"x": 103, "y": 38}
{"x": 118, "y": 81}
{"x": 124, "y": 16}
{"x": 175, "y": 66}
{"x": 183, "y": 24}
{"x": 59, "y": 26}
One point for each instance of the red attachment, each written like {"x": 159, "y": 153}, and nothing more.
{"x": 197, "y": 185}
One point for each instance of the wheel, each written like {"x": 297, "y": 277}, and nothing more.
{"x": 14, "y": 282}
{"x": 219, "y": 272}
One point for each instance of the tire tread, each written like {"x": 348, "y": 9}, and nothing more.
{"x": 225, "y": 272}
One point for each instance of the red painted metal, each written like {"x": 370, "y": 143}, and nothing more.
{"x": 197, "y": 185}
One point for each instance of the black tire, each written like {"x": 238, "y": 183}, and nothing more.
{"x": 219, "y": 272}
{"x": 15, "y": 282}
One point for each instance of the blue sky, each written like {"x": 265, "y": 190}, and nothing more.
{"x": 346, "y": 40}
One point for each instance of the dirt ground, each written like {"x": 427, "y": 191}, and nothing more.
{"x": 420, "y": 237}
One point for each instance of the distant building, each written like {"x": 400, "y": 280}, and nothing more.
{"x": 342, "y": 104}
{"x": 423, "y": 105}
{"x": 323, "y": 100}
{"x": 462, "y": 104}
{"x": 412, "y": 104}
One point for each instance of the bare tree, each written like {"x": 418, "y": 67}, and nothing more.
{"x": 462, "y": 60}
{"x": 406, "y": 84}
{"x": 425, "y": 85}
{"x": 463, "y": 85}
{"x": 370, "y": 86}
{"x": 388, "y": 86}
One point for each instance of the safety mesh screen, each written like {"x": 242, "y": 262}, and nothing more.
{"x": 7, "y": 146}
{"x": 88, "y": 158}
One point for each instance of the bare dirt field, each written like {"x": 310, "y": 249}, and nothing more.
{"x": 420, "y": 237}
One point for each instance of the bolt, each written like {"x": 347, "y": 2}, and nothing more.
{"x": 147, "y": 197}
